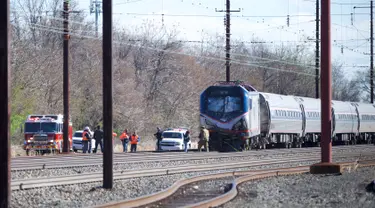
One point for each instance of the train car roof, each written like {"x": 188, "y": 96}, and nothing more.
{"x": 365, "y": 108}
{"x": 309, "y": 104}
{"x": 281, "y": 101}
{"x": 342, "y": 107}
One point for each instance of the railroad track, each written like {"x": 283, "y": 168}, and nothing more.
{"x": 84, "y": 160}
{"x": 126, "y": 174}
{"x": 180, "y": 194}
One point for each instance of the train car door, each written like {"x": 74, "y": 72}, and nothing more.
{"x": 303, "y": 120}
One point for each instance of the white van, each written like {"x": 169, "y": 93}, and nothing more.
{"x": 173, "y": 139}
{"x": 77, "y": 141}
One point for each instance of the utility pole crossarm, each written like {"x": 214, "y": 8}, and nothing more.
{"x": 227, "y": 47}
{"x": 95, "y": 7}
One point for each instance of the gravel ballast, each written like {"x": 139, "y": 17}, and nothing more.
{"x": 84, "y": 195}
{"x": 39, "y": 173}
{"x": 307, "y": 190}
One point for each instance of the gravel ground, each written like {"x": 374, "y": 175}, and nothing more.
{"x": 25, "y": 174}
{"x": 83, "y": 195}
{"x": 306, "y": 190}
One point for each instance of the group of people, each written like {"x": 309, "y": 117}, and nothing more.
{"x": 99, "y": 135}
{"x": 87, "y": 139}
{"x": 133, "y": 139}
{"x": 127, "y": 138}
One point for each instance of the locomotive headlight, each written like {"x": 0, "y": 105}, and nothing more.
{"x": 240, "y": 125}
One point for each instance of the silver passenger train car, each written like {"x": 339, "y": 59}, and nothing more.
{"x": 239, "y": 118}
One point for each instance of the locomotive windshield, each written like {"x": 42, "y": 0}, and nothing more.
{"x": 36, "y": 127}
{"x": 224, "y": 103}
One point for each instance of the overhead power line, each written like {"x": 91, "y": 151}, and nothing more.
{"x": 239, "y": 62}
{"x": 238, "y": 16}
{"x": 55, "y": 29}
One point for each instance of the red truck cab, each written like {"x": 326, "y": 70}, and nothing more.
{"x": 44, "y": 134}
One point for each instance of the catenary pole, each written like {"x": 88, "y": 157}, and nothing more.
{"x": 66, "y": 38}
{"x": 107, "y": 95}
{"x": 326, "y": 82}
{"x": 317, "y": 39}
{"x": 5, "y": 193}
{"x": 227, "y": 37}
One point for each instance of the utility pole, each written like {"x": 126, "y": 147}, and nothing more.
{"x": 317, "y": 60}
{"x": 371, "y": 50}
{"x": 95, "y": 7}
{"x": 66, "y": 145}
{"x": 107, "y": 95}
{"x": 5, "y": 192}
{"x": 227, "y": 35}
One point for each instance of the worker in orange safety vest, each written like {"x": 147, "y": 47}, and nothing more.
{"x": 134, "y": 139}
{"x": 124, "y": 137}
{"x": 86, "y": 140}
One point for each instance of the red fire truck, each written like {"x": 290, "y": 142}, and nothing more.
{"x": 44, "y": 134}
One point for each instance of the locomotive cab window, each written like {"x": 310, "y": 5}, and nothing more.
{"x": 225, "y": 103}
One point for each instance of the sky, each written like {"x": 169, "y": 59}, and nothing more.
{"x": 265, "y": 19}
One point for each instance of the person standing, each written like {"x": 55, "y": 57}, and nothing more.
{"x": 124, "y": 137}
{"x": 204, "y": 137}
{"x": 134, "y": 139}
{"x": 186, "y": 140}
{"x": 158, "y": 136}
{"x": 86, "y": 140}
{"x": 98, "y": 136}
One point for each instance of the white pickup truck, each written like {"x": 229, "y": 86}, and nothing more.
{"x": 173, "y": 139}
{"x": 77, "y": 141}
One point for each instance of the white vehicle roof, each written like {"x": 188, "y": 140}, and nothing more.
{"x": 80, "y": 131}
{"x": 181, "y": 130}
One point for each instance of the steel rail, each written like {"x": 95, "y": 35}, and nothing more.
{"x": 53, "y": 164}
{"x": 126, "y": 174}
{"x": 222, "y": 199}
{"x": 155, "y": 154}
{"x": 63, "y": 157}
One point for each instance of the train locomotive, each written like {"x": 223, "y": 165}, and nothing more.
{"x": 239, "y": 118}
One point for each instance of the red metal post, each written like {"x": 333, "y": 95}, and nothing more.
{"x": 326, "y": 82}
{"x": 5, "y": 156}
